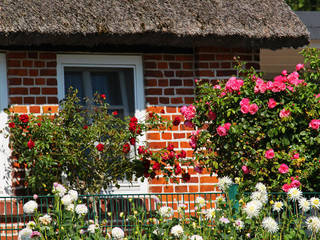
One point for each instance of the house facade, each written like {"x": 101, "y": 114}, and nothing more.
{"x": 144, "y": 55}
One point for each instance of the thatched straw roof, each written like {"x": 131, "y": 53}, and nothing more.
{"x": 183, "y": 23}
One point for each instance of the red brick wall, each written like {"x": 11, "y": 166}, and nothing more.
{"x": 169, "y": 84}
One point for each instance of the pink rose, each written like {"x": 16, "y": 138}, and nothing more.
{"x": 284, "y": 113}
{"x": 212, "y": 115}
{"x": 188, "y": 124}
{"x": 222, "y": 131}
{"x": 272, "y": 103}
{"x": 284, "y": 72}
{"x": 269, "y": 85}
{"x": 299, "y": 66}
{"x": 188, "y": 112}
{"x": 245, "y": 101}
{"x": 269, "y": 154}
{"x": 296, "y": 156}
{"x": 217, "y": 86}
{"x": 244, "y": 109}
{"x": 295, "y": 183}
{"x": 286, "y": 187}
{"x": 227, "y": 126}
{"x": 253, "y": 108}
{"x": 245, "y": 169}
{"x": 283, "y": 168}
{"x": 314, "y": 124}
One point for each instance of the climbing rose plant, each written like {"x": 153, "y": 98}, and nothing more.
{"x": 259, "y": 129}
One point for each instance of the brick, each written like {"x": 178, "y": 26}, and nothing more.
{"x": 33, "y": 55}
{"x": 47, "y": 55}
{"x": 168, "y": 189}
{"x": 194, "y": 180}
{"x": 53, "y": 100}
{"x": 224, "y": 57}
{"x": 185, "y": 91}
{"x": 169, "y": 91}
{"x": 162, "y": 65}
{"x": 39, "y": 63}
{"x": 205, "y": 73}
{"x": 15, "y": 100}
{"x": 52, "y": 64}
{"x": 52, "y": 81}
{"x": 40, "y": 100}
{"x": 152, "y": 57}
{"x": 179, "y": 135}
{"x": 151, "y": 82}
{"x": 169, "y": 57}
{"x": 40, "y": 81}
{"x": 13, "y": 63}
{"x": 157, "y": 145}
{"x": 225, "y": 65}
{"x": 16, "y": 55}
{"x": 153, "y": 73}
{"x": 34, "y": 109}
{"x": 228, "y": 73}
{"x": 154, "y": 91}
{"x": 207, "y": 188}
{"x": 18, "y": 72}
{"x": 19, "y": 109}
{"x": 153, "y": 136}
{"x": 33, "y": 72}
{"x": 214, "y": 65}
{"x": 14, "y": 81}
{"x": 188, "y": 82}
{"x": 168, "y": 73}
{"x": 28, "y": 81}
{"x": 254, "y": 65}
{"x": 201, "y": 65}
{"x": 207, "y": 57}
{"x": 184, "y": 145}
{"x": 184, "y": 57}
{"x": 155, "y": 109}
{"x": 152, "y": 100}
{"x": 164, "y": 100}
{"x": 175, "y": 65}
{"x": 49, "y": 91}
{"x": 155, "y": 189}
{"x": 175, "y": 82}
{"x": 48, "y": 72}
{"x": 166, "y": 136}
{"x": 50, "y": 109}
{"x": 188, "y": 100}
{"x": 35, "y": 91}
{"x": 208, "y": 179}
{"x": 171, "y": 109}
{"x": 181, "y": 189}
{"x": 28, "y": 100}
{"x": 176, "y": 100}
{"x": 159, "y": 180}
{"x": 150, "y": 65}
{"x": 18, "y": 90}
{"x": 27, "y": 63}
{"x": 163, "y": 82}
{"x": 184, "y": 73}
{"x": 187, "y": 65}
{"x": 193, "y": 188}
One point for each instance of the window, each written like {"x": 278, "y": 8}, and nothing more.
{"x": 120, "y": 78}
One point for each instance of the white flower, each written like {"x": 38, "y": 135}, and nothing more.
{"x": 269, "y": 224}
{"x": 201, "y": 201}
{"x": 224, "y": 183}
{"x": 166, "y": 212}
{"x": 117, "y": 233}
{"x": 66, "y": 199}
{"x": 220, "y": 199}
{"x": 25, "y": 234}
{"x": 224, "y": 220}
{"x": 252, "y": 208}
{"x": 73, "y": 194}
{"x": 210, "y": 213}
{"x": 181, "y": 207}
{"x": 176, "y": 231}
{"x": 196, "y": 237}
{"x": 59, "y": 189}
{"x": 31, "y": 224}
{"x": 277, "y": 206}
{"x": 238, "y": 224}
{"x": 260, "y": 196}
{"x": 70, "y": 207}
{"x": 315, "y": 202}
{"x": 30, "y": 206}
{"x": 45, "y": 219}
{"x": 304, "y": 204}
{"x": 92, "y": 228}
{"x": 157, "y": 232}
{"x": 294, "y": 194}
{"x": 261, "y": 187}
{"x": 313, "y": 224}
{"x": 81, "y": 209}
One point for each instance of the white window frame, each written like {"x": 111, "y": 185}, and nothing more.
{"x": 5, "y": 152}
{"x": 108, "y": 61}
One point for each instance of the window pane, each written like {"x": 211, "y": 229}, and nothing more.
{"x": 116, "y": 83}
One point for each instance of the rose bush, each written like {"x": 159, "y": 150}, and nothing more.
{"x": 251, "y": 128}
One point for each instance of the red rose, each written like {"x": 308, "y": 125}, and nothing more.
{"x": 132, "y": 127}
{"x": 126, "y": 148}
{"x": 183, "y": 154}
{"x": 171, "y": 155}
{"x": 162, "y": 111}
{"x": 176, "y": 121}
{"x": 24, "y": 118}
{"x": 30, "y": 144}
{"x": 132, "y": 141}
{"x": 100, "y": 147}
{"x": 134, "y": 120}
{"x": 39, "y": 124}
{"x": 151, "y": 114}
{"x": 103, "y": 96}
{"x": 186, "y": 177}
{"x": 170, "y": 147}
{"x": 177, "y": 169}
{"x": 138, "y": 130}
{"x": 12, "y": 125}
{"x": 141, "y": 150}
{"x": 85, "y": 127}
{"x": 115, "y": 113}
{"x": 156, "y": 166}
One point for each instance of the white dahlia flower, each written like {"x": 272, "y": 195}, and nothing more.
{"x": 269, "y": 224}
{"x": 70, "y": 207}
{"x": 81, "y": 209}
{"x": 201, "y": 201}
{"x": 67, "y": 199}
{"x": 25, "y": 234}
{"x": 210, "y": 214}
{"x": 261, "y": 187}
{"x": 313, "y": 224}
{"x": 315, "y": 202}
{"x": 59, "y": 189}
{"x": 73, "y": 194}
{"x": 277, "y": 206}
{"x": 252, "y": 208}
{"x": 45, "y": 219}
{"x": 176, "y": 231}
{"x": 196, "y": 237}
{"x": 224, "y": 183}
{"x": 166, "y": 212}
{"x": 304, "y": 204}
{"x": 117, "y": 233}
{"x": 294, "y": 194}
{"x": 30, "y": 207}
{"x": 260, "y": 196}
{"x": 31, "y": 224}
{"x": 92, "y": 228}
